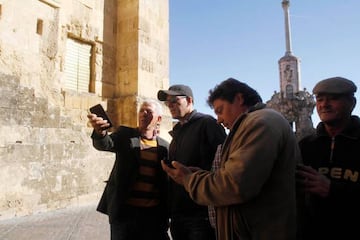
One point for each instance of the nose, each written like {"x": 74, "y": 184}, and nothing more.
{"x": 324, "y": 102}
{"x": 171, "y": 106}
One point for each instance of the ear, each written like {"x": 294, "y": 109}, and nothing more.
{"x": 353, "y": 103}
{"x": 190, "y": 100}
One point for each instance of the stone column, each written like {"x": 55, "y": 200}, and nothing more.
{"x": 142, "y": 56}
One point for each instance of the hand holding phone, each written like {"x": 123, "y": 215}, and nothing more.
{"x": 100, "y": 112}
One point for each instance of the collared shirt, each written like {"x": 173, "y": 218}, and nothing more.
{"x": 214, "y": 167}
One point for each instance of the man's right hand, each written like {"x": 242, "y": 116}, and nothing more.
{"x": 312, "y": 181}
{"x": 98, "y": 123}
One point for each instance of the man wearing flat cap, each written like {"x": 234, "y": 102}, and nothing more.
{"x": 194, "y": 142}
{"x": 330, "y": 176}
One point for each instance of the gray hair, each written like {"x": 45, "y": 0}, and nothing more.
{"x": 158, "y": 108}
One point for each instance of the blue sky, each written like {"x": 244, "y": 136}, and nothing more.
{"x": 212, "y": 40}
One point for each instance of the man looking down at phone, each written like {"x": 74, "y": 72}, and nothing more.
{"x": 253, "y": 189}
{"x": 135, "y": 196}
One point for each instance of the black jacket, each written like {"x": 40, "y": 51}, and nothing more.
{"x": 338, "y": 158}
{"x": 193, "y": 144}
{"x": 125, "y": 143}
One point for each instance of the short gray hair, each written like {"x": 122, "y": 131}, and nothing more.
{"x": 158, "y": 108}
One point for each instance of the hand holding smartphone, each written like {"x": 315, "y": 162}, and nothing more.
{"x": 100, "y": 112}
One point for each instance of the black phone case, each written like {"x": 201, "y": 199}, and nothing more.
{"x": 100, "y": 112}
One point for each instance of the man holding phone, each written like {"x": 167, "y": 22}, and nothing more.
{"x": 135, "y": 196}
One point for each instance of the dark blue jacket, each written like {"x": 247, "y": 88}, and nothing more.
{"x": 193, "y": 144}
{"x": 338, "y": 158}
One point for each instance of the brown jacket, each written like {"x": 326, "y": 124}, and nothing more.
{"x": 254, "y": 189}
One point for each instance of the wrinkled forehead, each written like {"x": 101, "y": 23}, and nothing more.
{"x": 147, "y": 106}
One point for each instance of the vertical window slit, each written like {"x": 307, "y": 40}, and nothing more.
{"x": 39, "y": 26}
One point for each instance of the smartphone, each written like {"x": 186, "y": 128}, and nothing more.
{"x": 100, "y": 112}
{"x": 168, "y": 162}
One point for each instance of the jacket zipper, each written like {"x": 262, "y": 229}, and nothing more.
{"x": 332, "y": 149}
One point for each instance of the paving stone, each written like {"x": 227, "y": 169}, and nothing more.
{"x": 80, "y": 223}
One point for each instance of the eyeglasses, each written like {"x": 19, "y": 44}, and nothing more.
{"x": 173, "y": 100}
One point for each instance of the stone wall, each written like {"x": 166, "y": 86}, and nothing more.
{"x": 46, "y": 156}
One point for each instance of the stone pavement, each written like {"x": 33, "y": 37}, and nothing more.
{"x": 77, "y": 223}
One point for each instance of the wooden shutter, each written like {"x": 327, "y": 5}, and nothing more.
{"x": 77, "y": 65}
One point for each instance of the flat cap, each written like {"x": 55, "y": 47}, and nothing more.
{"x": 335, "y": 85}
{"x": 175, "y": 90}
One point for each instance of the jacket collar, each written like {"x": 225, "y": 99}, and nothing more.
{"x": 193, "y": 116}
{"x": 352, "y": 130}
{"x": 256, "y": 107}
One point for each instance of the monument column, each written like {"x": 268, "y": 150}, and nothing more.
{"x": 285, "y": 5}
{"x": 296, "y": 105}
{"x": 289, "y": 65}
